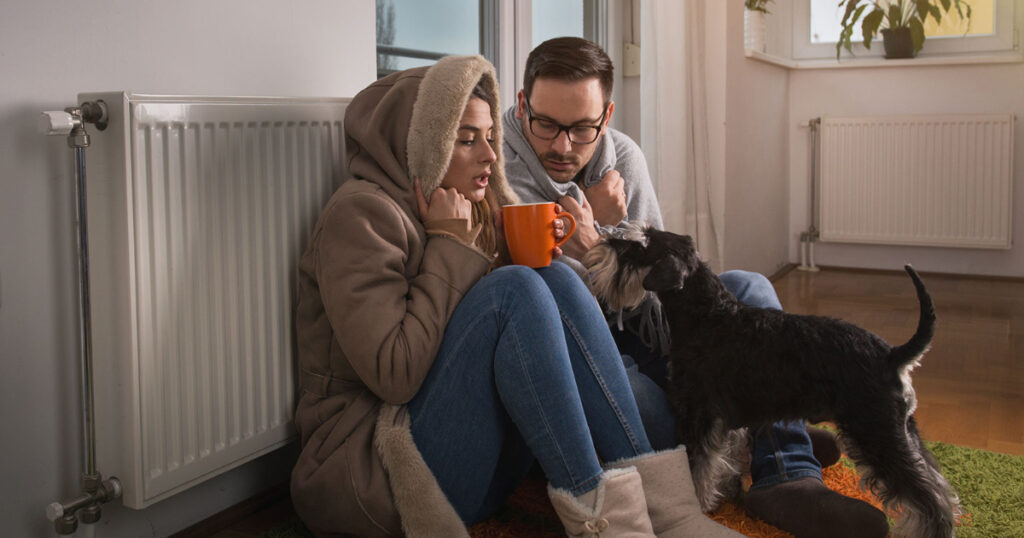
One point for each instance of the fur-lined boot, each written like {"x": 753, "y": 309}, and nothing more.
{"x": 671, "y": 498}
{"x": 615, "y": 508}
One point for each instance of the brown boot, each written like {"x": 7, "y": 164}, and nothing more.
{"x": 671, "y": 498}
{"x": 806, "y": 508}
{"x": 616, "y": 508}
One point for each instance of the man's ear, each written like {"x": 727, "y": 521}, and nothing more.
{"x": 668, "y": 274}
{"x": 608, "y": 117}
{"x": 520, "y": 105}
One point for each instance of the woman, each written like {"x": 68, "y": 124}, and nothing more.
{"x": 430, "y": 375}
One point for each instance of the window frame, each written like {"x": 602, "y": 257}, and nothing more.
{"x": 1003, "y": 40}
{"x": 508, "y": 45}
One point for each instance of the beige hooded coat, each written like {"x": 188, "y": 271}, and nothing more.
{"x": 375, "y": 294}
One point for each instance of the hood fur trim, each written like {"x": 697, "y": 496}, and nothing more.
{"x": 440, "y": 103}
{"x": 424, "y": 508}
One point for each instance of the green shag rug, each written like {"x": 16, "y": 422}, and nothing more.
{"x": 991, "y": 489}
{"x": 990, "y": 485}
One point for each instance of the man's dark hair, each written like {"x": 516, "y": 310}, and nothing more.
{"x": 569, "y": 59}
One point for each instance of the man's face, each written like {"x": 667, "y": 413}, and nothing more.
{"x": 579, "y": 103}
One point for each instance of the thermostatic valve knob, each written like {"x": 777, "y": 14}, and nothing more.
{"x": 54, "y": 511}
{"x": 56, "y": 122}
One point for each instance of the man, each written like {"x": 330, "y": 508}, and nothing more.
{"x": 558, "y": 147}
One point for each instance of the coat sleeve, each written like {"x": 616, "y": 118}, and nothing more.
{"x": 388, "y": 325}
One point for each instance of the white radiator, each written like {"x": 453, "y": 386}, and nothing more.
{"x": 199, "y": 208}
{"x": 917, "y": 180}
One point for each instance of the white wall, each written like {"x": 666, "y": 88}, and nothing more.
{"x": 756, "y": 161}
{"x": 905, "y": 90}
{"x": 51, "y": 50}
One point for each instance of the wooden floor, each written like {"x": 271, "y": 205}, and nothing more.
{"x": 970, "y": 386}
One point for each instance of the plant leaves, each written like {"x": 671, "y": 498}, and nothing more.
{"x": 917, "y": 34}
{"x": 846, "y": 35}
{"x": 924, "y": 7}
{"x": 850, "y": 6}
{"x": 870, "y": 26}
{"x": 895, "y": 16}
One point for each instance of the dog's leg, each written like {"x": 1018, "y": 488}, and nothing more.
{"x": 737, "y": 455}
{"x": 945, "y": 490}
{"x": 895, "y": 469}
{"x": 715, "y": 466}
{"x": 694, "y": 432}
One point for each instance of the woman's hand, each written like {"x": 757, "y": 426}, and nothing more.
{"x": 444, "y": 204}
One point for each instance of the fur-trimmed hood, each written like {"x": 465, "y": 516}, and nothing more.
{"x": 405, "y": 125}
{"x": 375, "y": 294}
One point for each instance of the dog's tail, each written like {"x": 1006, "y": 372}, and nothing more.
{"x": 918, "y": 343}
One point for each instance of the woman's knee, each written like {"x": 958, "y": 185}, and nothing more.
{"x": 752, "y": 289}
{"x": 516, "y": 286}
{"x": 515, "y": 277}
{"x": 564, "y": 282}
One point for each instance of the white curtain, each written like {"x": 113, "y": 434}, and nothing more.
{"x": 674, "y": 126}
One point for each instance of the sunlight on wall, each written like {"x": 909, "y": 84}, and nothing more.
{"x": 982, "y": 21}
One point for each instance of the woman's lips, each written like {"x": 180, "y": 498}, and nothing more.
{"x": 483, "y": 179}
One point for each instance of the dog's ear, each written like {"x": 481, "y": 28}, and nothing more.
{"x": 667, "y": 274}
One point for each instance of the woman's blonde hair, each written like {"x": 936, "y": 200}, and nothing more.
{"x": 487, "y": 241}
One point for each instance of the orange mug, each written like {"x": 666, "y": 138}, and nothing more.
{"x": 530, "y": 232}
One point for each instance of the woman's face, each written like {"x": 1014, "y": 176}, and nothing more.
{"x": 470, "y": 167}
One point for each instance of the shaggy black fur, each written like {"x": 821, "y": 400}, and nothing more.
{"x": 734, "y": 366}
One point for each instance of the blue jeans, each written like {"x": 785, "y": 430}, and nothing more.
{"x": 781, "y": 452}
{"x": 527, "y": 368}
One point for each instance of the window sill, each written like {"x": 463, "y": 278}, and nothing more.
{"x": 920, "y": 61}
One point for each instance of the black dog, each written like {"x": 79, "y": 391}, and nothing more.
{"x": 734, "y": 366}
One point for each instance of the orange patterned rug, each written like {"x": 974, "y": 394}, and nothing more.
{"x": 528, "y": 514}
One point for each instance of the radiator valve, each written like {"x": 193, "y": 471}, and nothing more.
{"x": 66, "y": 515}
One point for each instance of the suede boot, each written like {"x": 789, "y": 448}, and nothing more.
{"x": 671, "y": 498}
{"x": 616, "y": 508}
{"x": 825, "y": 446}
{"x": 806, "y": 508}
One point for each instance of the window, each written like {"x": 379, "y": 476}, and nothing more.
{"x": 580, "y": 18}
{"x": 411, "y": 33}
{"x": 991, "y": 29}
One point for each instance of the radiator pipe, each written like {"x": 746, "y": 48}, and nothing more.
{"x": 94, "y": 489}
{"x": 808, "y": 238}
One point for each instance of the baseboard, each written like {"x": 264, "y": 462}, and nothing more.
{"x": 783, "y": 271}
{"x": 965, "y": 276}
{"x": 234, "y": 514}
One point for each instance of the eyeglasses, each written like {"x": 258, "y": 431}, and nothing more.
{"x": 546, "y": 129}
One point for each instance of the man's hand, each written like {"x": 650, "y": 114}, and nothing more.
{"x": 586, "y": 234}
{"x": 608, "y": 199}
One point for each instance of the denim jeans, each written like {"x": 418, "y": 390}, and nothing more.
{"x": 781, "y": 451}
{"x": 527, "y": 368}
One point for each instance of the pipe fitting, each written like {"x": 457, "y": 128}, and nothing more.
{"x": 85, "y": 508}
{"x": 90, "y": 514}
{"x": 66, "y": 525}
{"x": 95, "y": 112}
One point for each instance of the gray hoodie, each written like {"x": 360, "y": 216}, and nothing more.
{"x": 616, "y": 151}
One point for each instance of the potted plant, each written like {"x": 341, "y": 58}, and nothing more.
{"x": 754, "y": 34}
{"x": 757, "y": 5}
{"x": 903, "y": 28}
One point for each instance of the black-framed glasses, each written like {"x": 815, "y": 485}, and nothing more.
{"x": 545, "y": 129}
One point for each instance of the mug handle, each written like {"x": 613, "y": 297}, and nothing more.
{"x": 572, "y": 226}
